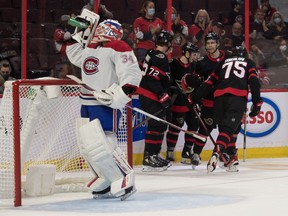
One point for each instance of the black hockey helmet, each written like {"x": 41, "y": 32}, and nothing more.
{"x": 164, "y": 38}
{"x": 240, "y": 51}
{"x": 212, "y": 36}
{"x": 190, "y": 47}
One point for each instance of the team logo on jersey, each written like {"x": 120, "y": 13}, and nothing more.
{"x": 90, "y": 65}
{"x": 208, "y": 121}
{"x": 160, "y": 55}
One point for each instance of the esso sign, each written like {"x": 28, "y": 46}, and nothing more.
{"x": 265, "y": 122}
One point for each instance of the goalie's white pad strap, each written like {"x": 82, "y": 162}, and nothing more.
{"x": 100, "y": 154}
{"x": 119, "y": 98}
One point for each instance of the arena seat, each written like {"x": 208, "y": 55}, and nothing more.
{"x": 219, "y": 5}
{"x": 188, "y": 5}
{"x": 116, "y": 5}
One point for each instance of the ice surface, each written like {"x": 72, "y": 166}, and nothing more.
{"x": 259, "y": 189}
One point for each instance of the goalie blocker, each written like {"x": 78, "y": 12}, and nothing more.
{"x": 115, "y": 177}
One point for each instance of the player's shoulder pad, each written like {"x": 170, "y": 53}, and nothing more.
{"x": 118, "y": 45}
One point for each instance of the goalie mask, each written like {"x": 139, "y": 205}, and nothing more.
{"x": 108, "y": 30}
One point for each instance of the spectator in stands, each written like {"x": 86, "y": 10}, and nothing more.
{"x": 103, "y": 12}
{"x": 277, "y": 28}
{"x": 280, "y": 54}
{"x": 267, "y": 9}
{"x": 179, "y": 31}
{"x": 202, "y": 25}
{"x": 11, "y": 52}
{"x": 237, "y": 34}
{"x": 128, "y": 35}
{"x": 258, "y": 26}
{"x": 236, "y": 15}
{"x": 66, "y": 68}
{"x": 258, "y": 53}
{"x": 261, "y": 73}
{"x": 219, "y": 29}
{"x": 227, "y": 45}
{"x": 5, "y": 73}
{"x": 146, "y": 28}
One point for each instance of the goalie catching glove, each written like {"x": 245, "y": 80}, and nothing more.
{"x": 255, "y": 108}
{"x": 113, "y": 97}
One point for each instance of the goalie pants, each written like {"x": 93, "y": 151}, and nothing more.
{"x": 109, "y": 118}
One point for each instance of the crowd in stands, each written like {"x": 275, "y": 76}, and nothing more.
{"x": 268, "y": 33}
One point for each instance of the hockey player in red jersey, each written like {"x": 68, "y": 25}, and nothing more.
{"x": 231, "y": 81}
{"x": 110, "y": 67}
{"x": 181, "y": 67}
{"x": 154, "y": 96}
{"x": 204, "y": 68}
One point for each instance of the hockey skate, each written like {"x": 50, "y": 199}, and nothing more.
{"x": 170, "y": 156}
{"x": 195, "y": 160}
{"x": 186, "y": 156}
{"x": 211, "y": 166}
{"x": 152, "y": 164}
{"x": 104, "y": 194}
{"x": 233, "y": 163}
{"x": 162, "y": 160}
{"x": 128, "y": 192}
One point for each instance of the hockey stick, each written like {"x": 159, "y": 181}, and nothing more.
{"x": 203, "y": 125}
{"x": 192, "y": 133}
{"x": 174, "y": 96}
{"x": 245, "y": 135}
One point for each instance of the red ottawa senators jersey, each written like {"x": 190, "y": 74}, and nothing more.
{"x": 233, "y": 76}
{"x": 156, "y": 73}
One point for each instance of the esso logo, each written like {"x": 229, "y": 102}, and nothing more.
{"x": 265, "y": 122}
{"x": 90, "y": 65}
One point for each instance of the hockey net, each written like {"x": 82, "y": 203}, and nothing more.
{"x": 38, "y": 130}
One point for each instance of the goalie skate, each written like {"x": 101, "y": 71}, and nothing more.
{"x": 128, "y": 192}
{"x": 104, "y": 194}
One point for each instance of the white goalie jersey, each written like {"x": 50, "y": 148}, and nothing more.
{"x": 104, "y": 65}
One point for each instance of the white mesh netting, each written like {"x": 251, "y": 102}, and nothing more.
{"x": 48, "y": 135}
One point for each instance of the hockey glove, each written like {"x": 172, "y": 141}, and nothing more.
{"x": 194, "y": 99}
{"x": 104, "y": 97}
{"x": 255, "y": 108}
{"x": 165, "y": 100}
{"x": 190, "y": 81}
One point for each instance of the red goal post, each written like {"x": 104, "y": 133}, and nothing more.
{"x": 36, "y": 129}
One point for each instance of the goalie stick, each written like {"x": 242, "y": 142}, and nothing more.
{"x": 192, "y": 133}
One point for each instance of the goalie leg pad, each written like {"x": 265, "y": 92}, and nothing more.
{"x": 104, "y": 157}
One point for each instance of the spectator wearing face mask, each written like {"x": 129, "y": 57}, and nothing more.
{"x": 258, "y": 26}
{"x": 280, "y": 54}
{"x": 277, "y": 28}
{"x": 179, "y": 30}
{"x": 145, "y": 29}
{"x": 267, "y": 9}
